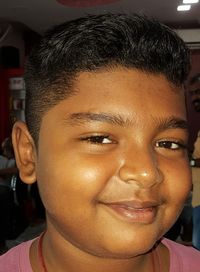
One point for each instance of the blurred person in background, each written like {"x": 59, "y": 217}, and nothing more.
{"x": 196, "y": 192}
{"x": 195, "y": 91}
{"x": 195, "y": 163}
{"x": 7, "y": 168}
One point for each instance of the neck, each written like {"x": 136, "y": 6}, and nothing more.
{"x": 74, "y": 259}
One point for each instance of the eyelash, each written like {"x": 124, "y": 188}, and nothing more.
{"x": 98, "y": 139}
{"x": 169, "y": 145}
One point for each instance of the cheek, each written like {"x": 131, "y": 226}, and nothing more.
{"x": 177, "y": 184}
{"x": 174, "y": 190}
{"x": 73, "y": 178}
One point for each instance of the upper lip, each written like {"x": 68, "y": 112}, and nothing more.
{"x": 135, "y": 204}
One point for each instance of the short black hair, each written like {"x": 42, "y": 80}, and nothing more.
{"x": 95, "y": 42}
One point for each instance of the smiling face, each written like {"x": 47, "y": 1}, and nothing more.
{"x": 111, "y": 162}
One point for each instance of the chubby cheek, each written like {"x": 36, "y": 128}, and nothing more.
{"x": 72, "y": 180}
{"x": 175, "y": 190}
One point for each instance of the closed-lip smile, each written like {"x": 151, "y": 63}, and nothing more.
{"x": 134, "y": 211}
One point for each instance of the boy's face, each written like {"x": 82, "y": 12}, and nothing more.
{"x": 111, "y": 163}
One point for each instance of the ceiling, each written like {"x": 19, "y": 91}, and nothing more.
{"x": 39, "y": 15}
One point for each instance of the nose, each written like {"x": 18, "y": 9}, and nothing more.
{"x": 140, "y": 168}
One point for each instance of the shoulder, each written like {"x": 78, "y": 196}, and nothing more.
{"x": 183, "y": 258}
{"x": 16, "y": 259}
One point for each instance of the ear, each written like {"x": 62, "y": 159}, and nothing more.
{"x": 25, "y": 152}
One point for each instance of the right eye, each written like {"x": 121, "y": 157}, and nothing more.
{"x": 98, "y": 139}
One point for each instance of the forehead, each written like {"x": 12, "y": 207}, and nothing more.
{"x": 133, "y": 94}
{"x": 119, "y": 85}
{"x": 121, "y": 76}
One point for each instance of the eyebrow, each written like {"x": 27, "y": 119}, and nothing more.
{"x": 79, "y": 118}
{"x": 83, "y": 117}
{"x": 172, "y": 123}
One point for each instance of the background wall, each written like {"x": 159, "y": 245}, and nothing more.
{"x": 15, "y": 37}
{"x": 193, "y": 116}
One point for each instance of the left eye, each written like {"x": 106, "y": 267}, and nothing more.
{"x": 170, "y": 145}
{"x": 98, "y": 139}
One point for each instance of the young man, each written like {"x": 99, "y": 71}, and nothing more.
{"x": 105, "y": 138}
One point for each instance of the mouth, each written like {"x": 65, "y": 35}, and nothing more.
{"x": 134, "y": 211}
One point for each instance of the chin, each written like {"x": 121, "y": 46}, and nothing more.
{"x": 127, "y": 249}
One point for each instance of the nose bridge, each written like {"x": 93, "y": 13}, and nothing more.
{"x": 140, "y": 166}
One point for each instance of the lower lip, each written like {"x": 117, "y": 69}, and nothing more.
{"x": 135, "y": 215}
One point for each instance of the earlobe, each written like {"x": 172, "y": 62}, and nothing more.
{"x": 25, "y": 152}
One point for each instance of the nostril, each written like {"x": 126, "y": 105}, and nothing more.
{"x": 142, "y": 176}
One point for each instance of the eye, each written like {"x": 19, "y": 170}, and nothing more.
{"x": 173, "y": 145}
{"x": 98, "y": 139}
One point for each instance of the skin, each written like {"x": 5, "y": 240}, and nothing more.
{"x": 138, "y": 157}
